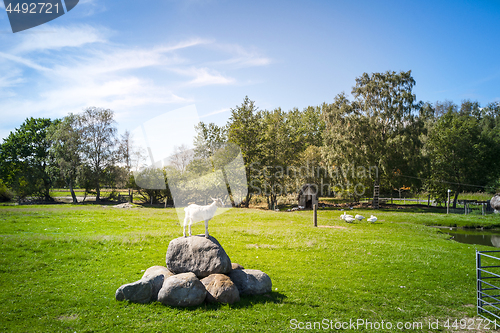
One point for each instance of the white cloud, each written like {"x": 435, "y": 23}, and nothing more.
{"x": 90, "y": 7}
{"x": 10, "y": 79}
{"x": 23, "y": 61}
{"x": 187, "y": 43}
{"x": 215, "y": 112}
{"x": 75, "y": 36}
{"x": 117, "y": 94}
{"x": 242, "y": 57}
{"x": 106, "y": 60}
{"x": 52, "y": 74}
{"x": 204, "y": 77}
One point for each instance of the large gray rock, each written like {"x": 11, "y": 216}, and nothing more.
{"x": 146, "y": 289}
{"x": 197, "y": 254}
{"x": 220, "y": 289}
{"x": 182, "y": 290}
{"x": 156, "y": 274}
{"x": 251, "y": 281}
{"x": 137, "y": 292}
{"x": 495, "y": 202}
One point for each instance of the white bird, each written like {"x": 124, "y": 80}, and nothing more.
{"x": 349, "y": 219}
{"x": 344, "y": 216}
{"x": 359, "y": 217}
{"x": 372, "y": 219}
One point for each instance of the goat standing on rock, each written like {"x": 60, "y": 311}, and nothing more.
{"x": 195, "y": 213}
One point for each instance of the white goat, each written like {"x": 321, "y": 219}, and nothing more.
{"x": 195, "y": 213}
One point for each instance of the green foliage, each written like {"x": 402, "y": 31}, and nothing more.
{"x": 463, "y": 148}
{"x": 209, "y": 139}
{"x": 154, "y": 186}
{"x": 25, "y": 159}
{"x": 98, "y": 134}
{"x": 379, "y": 131}
{"x": 312, "y": 170}
{"x": 272, "y": 143}
{"x": 244, "y": 130}
{"x": 5, "y": 193}
{"x": 279, "y": 149}
{"x": 65, "y": 150}
{"x": 307, "y": 127}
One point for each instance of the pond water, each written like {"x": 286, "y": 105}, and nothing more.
{"x": 481, "y": 237}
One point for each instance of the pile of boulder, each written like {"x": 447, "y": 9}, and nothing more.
{"x": 197, "y": 270}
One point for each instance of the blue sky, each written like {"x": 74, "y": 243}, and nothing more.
{"x": 144, "y": 58}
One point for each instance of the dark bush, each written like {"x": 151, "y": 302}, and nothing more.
{"x": 5, "y": 193}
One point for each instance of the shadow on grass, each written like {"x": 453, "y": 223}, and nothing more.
{"x": 247, "y": 301}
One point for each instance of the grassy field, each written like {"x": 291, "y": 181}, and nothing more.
{"x": 61, "y": 265}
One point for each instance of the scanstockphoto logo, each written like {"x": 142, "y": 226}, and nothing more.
{"x": 166, "y": 143}
{"x": 28, "y": 14}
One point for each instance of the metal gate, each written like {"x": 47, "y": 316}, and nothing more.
{"x": 488, "y": 285}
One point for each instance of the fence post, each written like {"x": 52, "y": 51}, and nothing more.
{"x": 315, "y": 215}
{"x": 448, "y": 203}
{"x": 465, "y": 207}
{"x": 478, "y": 279}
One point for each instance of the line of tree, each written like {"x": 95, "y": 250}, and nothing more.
{"x": 79, "y": 150}
{"x": 381, "y": 136}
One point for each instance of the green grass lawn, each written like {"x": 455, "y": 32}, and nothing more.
{"x": 61, "y": 265}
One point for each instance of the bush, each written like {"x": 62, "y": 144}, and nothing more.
{"x": 5, "y": 193}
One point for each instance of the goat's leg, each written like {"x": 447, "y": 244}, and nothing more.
{"x": 190, "y": 224}
{"x": 184, "y": 229}
{"x": 206, "y": 228}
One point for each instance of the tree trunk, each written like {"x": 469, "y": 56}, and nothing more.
{"x": 130, "y": 196}
{"x": 455, "y": 199}
{"x": 98, "y": 193}
{"x": 47, "y": 185}
{"x": 73, "y": 195}
{"x": 271, "y": 201}
{"x": 228, "y": 188}
{"x": 46, "y": 193}
{"x": 247, "y": 199}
